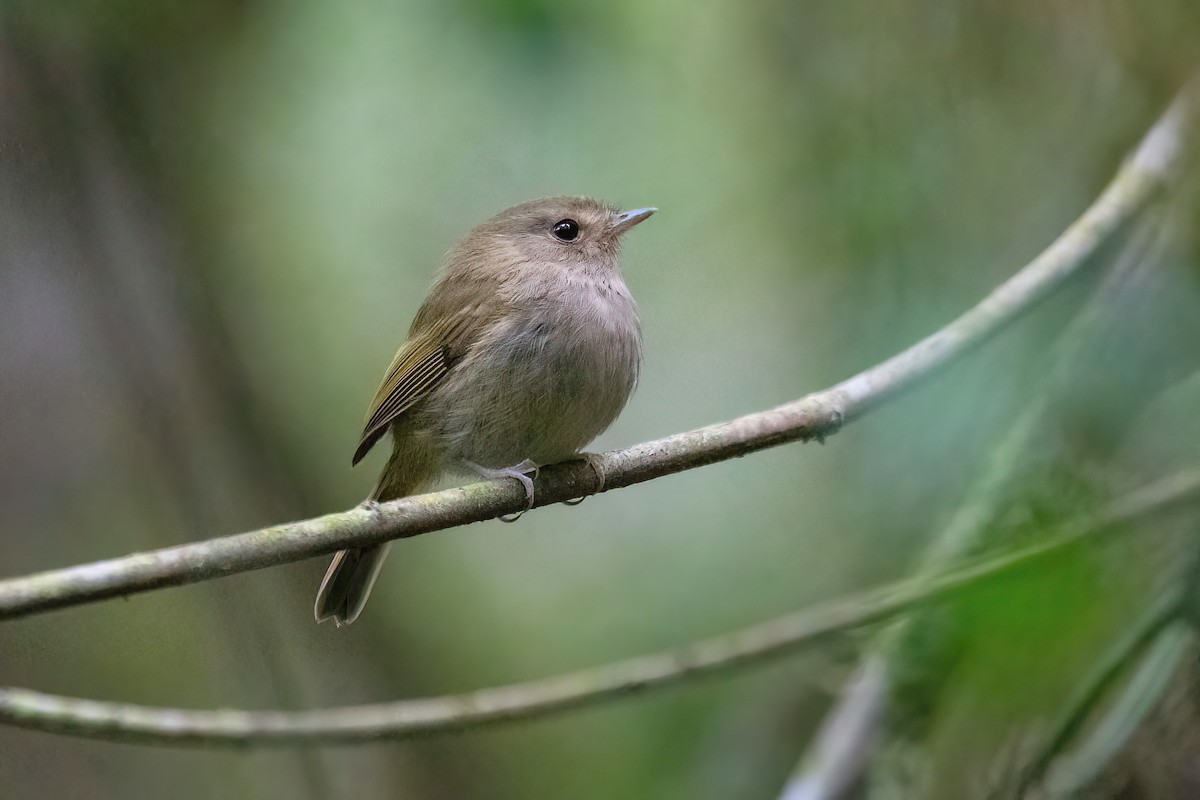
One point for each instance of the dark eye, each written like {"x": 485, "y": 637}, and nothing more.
{"x": 566, "y": 230}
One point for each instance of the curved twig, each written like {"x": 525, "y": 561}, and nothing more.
{"x": 838, "y": 756}
{"x": 410, "y": 718}
{"x": 813, "y": 417}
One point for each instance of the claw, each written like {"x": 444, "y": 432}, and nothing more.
{"x": 521, "y": 473}
{"x": 597, "y": 464}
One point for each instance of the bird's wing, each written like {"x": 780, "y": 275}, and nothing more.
{"x": 419, "y": 365}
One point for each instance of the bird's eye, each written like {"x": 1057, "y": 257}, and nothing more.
{"x": 566, "y": 230}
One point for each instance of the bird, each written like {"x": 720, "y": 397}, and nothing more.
{"x": 527, "y": 347}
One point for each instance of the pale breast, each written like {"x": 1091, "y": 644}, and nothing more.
{"x": 546, "y": 380}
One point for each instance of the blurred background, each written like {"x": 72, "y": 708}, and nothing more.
{"x": 217, "y": 219}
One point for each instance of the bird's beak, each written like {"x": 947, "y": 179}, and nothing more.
{"x": 627, "y": 219}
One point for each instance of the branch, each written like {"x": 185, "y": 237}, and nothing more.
{"x": 835, "y": 762}
{"x": 410, "y": 718}
{"x": 839, "y": 752}
{"x": 816, "y": 416}
{"x": 850, "y": 729}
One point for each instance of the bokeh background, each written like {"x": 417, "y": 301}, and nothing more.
{"x": 216, "y": 220}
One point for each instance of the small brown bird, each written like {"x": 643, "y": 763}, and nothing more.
{"x": 525, "y": 349}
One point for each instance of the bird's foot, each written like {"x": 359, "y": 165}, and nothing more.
{"x": 519, "y": 471}
{"x": 370, "y": 504}
{"x": 596, "y": 462}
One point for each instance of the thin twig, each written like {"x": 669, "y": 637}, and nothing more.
{"x": 816, "y": 416}
{"x": 837, "y": 756}
{"x": 410, "y": 718}
{"x": 859, "y": 712}
{"x": 857, "y": 717}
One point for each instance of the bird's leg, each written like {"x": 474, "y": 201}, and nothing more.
{"x": 597, "y": 464}
{"x": 520, "y": 472}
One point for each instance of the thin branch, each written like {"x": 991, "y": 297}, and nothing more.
{"x": 837, "y": 757}
{"x": 816, "y": 416}
{"x": 410, "y": 718}
{"x": 854, "y": 720}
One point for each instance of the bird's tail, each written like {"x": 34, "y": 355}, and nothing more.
{"x": 352, "y": 573}
{"x": 348, "y": 582}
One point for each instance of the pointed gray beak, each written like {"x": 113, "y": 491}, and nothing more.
{"x": 627, "y": 219}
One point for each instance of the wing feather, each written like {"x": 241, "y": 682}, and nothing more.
{"x": 418, "y": 367}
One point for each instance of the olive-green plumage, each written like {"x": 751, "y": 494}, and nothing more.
{"x": 525, "y": 349}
